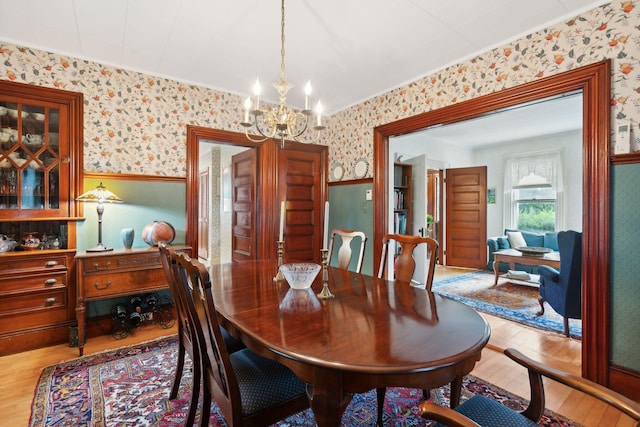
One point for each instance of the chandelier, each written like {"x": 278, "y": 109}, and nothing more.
{"x": 280, "y": 121}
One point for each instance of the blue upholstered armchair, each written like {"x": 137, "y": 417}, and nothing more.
{"x": 563, "y": 289}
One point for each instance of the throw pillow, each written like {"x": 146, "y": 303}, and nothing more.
{"x": 503, "y": 243}
{"x": 515, "y": 239}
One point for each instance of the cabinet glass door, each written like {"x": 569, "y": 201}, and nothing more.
{"x": 30, "y": 157}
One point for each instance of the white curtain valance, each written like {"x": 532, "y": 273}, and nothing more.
{"x": 547, "y": 165}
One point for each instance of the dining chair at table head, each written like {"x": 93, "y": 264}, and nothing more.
{"x": 405, "y": 263}
{"x": 404, "y": 267}
{"x": 249, "y": 390}
{"x": 345, "y": 252}
{"x": 486, "y": 412}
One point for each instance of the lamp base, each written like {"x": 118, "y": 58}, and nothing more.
{"x": 99, "y": 248}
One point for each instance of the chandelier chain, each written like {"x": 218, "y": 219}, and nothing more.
{"x": 282, "y": 73}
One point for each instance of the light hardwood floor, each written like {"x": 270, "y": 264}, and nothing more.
{"x": 20, "y": 372}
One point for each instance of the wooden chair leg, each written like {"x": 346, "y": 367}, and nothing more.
{"x": 541, "y": 302}
{"x": 179, "y": 369}
{"x": 195, "y": 394}
{"x": 381, "y": 392}
{"x": 426, "y": 394}
{"x": 566, "y": 327}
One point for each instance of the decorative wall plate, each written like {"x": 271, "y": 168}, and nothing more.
{"x": 361, "y": 168}
{"x": 337, "y": 172}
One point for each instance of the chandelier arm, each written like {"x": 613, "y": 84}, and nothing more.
{"x": 251, "y": 138}
{"x": 293, "y": 132}
{"x": 270, "y": 133}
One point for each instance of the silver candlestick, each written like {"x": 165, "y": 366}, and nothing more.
{"x": 325, "y": 293}
{"x": 279, "y": 275}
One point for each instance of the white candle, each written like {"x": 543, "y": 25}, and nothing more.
{"x": 257, "y": 89}
{"x": 307, "y": 92}
{"x": 319, "y": 112}
{"x": 326, "y": 225}
{"x": 247, "y": 107}
{"x": 281, "y": 220}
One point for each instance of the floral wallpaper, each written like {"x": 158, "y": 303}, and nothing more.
{"x": 136, "y": 123}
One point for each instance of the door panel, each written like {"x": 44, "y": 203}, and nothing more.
{"x": 434, "y": 207}
{"x": 203, "y": 214}
{"x": 466, "y": 217}
{"x": 243, "y": 199}
{"x": 299, "y": 185}
{"x": 419, "y": 211}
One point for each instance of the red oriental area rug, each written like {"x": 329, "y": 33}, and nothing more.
{"x": 130, "y": 387}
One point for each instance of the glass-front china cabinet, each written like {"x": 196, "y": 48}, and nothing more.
{"x": 40, "y": 175}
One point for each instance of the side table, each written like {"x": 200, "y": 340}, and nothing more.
{"x": 111, "y": 274}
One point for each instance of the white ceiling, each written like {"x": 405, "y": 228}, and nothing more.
{"x": 351, "y": 50}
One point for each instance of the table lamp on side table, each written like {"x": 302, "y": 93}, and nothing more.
{"x": 100, "y": 194}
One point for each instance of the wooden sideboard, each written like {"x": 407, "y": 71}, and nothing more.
{"x": 117, "y": 273}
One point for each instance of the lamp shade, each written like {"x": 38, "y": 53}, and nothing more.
{"x": 99, "y": 194}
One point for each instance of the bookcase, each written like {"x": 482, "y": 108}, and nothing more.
{"x": 402, "y": 198}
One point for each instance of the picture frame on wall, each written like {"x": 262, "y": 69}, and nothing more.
{"x": 491, "y": 195}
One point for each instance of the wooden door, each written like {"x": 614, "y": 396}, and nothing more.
{"x": 301, "y": 186}
{"x": 243, "y": 202}
{"x": 434, "y": 208}
{"x": 203, "y": 214}
{"x": 466, "y": 217}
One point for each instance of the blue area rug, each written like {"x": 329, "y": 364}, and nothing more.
{"x": 515, "y": 302}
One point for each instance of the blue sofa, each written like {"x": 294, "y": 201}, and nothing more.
{"x": 544, "y": 240}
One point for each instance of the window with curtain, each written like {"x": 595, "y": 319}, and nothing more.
{"x": 533, "y": 192}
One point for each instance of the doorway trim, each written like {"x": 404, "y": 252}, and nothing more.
{"x": 267, "y": 151}
{"x": 594, "y": 81}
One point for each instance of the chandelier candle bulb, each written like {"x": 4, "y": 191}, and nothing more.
{"x": 319, "y": 111}
{"x": 281, "y": 221}
{"x": 256, "y": 91}
{"x": 247, "y": 107}
{"x": 307, "y": 92}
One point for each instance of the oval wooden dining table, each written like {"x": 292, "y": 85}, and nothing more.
{"x": 372, "y": 333}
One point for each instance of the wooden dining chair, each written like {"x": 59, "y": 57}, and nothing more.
{"x": 186, "y": 338}
{"x": 187, "y": 343}
{"x": 404, "y": 267}
{"x": 250, "y": 390}
{"x": 345, "y": 253}
{"x": 405, "y": 263}
{"x": 484, "y": 411}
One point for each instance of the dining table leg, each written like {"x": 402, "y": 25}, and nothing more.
{"x": 456, "y": 392}
{"x": 328, "y": 400}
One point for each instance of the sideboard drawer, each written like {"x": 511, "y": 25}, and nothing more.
{"x": 19, "y": 311}
{"x": 38, "y": 281}
{"x": 105, "y": 265}
{"x": 44, "y": 261}
{"x": 109, "y": 285}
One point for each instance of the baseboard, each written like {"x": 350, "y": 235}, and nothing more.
{"x": 625, "y": 381}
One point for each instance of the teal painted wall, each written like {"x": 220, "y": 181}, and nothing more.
{"x": 143, "y": 202}
{"x": 349, "y": 209}
{"x": 625, "y": 268}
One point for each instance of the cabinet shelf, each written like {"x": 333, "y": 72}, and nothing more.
{"x": 402, "y": 176}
